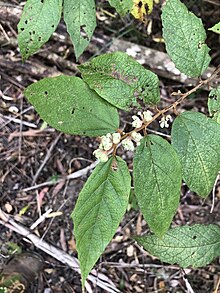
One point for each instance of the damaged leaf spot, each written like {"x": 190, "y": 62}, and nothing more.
{"x": 141, "y": 9}
{"x": 39, "y": 20}
{"x": 83, "y": 33}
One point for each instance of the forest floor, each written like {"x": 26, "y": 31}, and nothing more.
{"x": 37, "y": 163}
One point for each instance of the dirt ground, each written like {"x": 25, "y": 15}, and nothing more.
{"x": 37, "y": 162}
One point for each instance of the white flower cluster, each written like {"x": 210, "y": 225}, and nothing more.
{"x": 164, "y": 121}
{"x": 108, "y": 140}
{"x": 106, "y": 144}
{"x": 144, "y": 117}
{"x": 128, "y": 141}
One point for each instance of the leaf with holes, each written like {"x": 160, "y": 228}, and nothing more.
{"x": 80, "y": 19}
{"x": 157, "y": 182}
{"x": 38, "y": 21}
{"x": 121, "y": 80}
{"x": 122, "y": 7}
{"x": 99, "y": 209}
{"x": 214, "y": 104}
{"x": 196, "y": 140}
{"x": 69, "y": 105}
{"x": 141, "y": 9}
{"x": 216, "y": 28}
{"x": 184, "y": 36}
{"x": 194, "y": 246}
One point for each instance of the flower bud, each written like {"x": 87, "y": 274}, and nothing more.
{"x": 101, "y": 155}
{"x": 128, "y": 144}
{"x": 136, "y": 136}
{"x": 106, "y": 142}
{"x": 137, "y": 121}
{"x": 116, "y": 137}
{"x": 147, "y": 115}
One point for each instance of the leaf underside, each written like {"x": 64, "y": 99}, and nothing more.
{"x": 69, "y": 105}
{"x": 157, "y": 182}
{"x": 194, "y": 246}
{"x": 196, "y": 140}
{"x": 184, "y": 36}
{"x": 121, "y": 80}
{"x": 80, "y": 19}
{"x": 38, "y": 21}
{"x": 99, "y": 209}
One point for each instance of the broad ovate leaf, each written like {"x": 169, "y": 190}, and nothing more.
{"x": 122, "y": 7}
{"x": 196, "y": 139}
{"x": 99, "y": 209}
{"x": 216, "y": 28}
{"x": 157, "y": 182}
{"x": 186, "y": 246}
{"x": 38, "y": 21}
{"x": 214, "y": 104}
{"x": 121, "y": 80}
{"x": 69, "y": 105}
{"x": 184, "y": 37}
{"x": 80, "y": 19}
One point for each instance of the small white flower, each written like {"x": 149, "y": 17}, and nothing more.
{"x": 148, "y": 115}
{"x": 106, "y": 142}
{"x": 128, "y": 144}
{"x": 163, "y": 122}
{"x": 140, "y": 114}
{"x": 169, "y": 118}
{"x": 116, "y": 137}
{"x": 136, "y": 136}
{"x": 101, "y": 155}
{"x": 137, "y": 121}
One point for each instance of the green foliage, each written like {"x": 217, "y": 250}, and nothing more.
{"x": 39, "y": 20}
{"x": 216, "y": 28}
{"x": 184, "y": 37}
{"x": 88, "y": 106}
{"x": 214, "y": 104}
{"x": 187, "y": 246}
{"x": 122, "y": 7}
{"x": 80, "y": 19}
{"x": 101, "y": 204}
{"x": 69, "y": 105}
{"x": 157, "y": 182}
{"x": 121, "y": 80}
{"x": 196, "y": 139}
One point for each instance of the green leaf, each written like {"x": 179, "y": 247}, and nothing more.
{"x": 38, "y": 21}
{"x": 69, "y": 105}
{"x": 194, "y": 246}
{"x": 80, "y": 19}
{"x": 122, "y": 7}
{"x": 214, "y": 104}
{"x": 157, "y": 182}
{"x": 101, "y": 204}
{"x": 184, "y": 36}
{"x": 121, "y": 80}
{"x": 216, "y": 28}
{"x": 196, "y": 139}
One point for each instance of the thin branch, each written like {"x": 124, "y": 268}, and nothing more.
{"x": 170, "y": 107}
{"x": 47, "y": 157}
{"x": 74, "y": 175}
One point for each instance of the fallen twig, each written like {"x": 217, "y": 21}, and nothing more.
{"x": 99, "y": 279}
{"x": 74, "y": 175}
